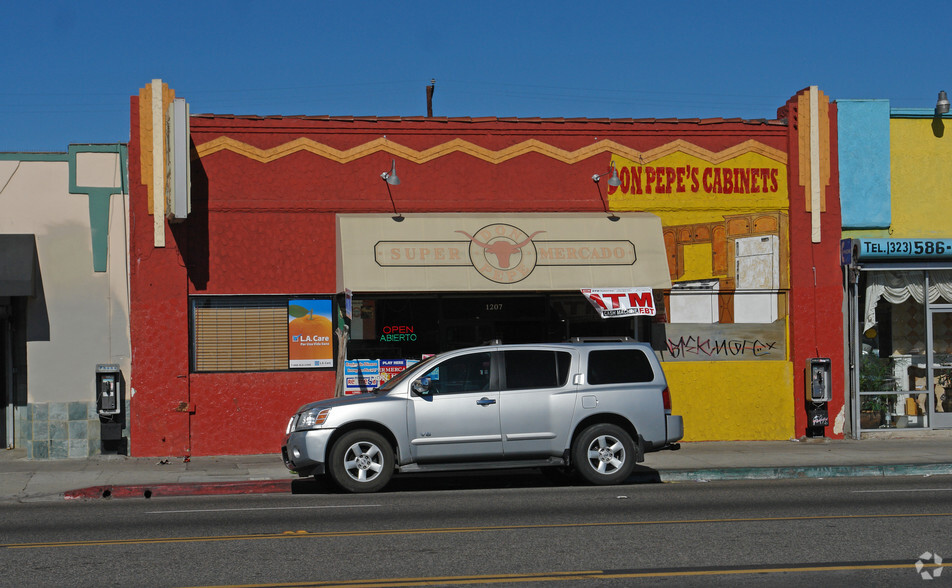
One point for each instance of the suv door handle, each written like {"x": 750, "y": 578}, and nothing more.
{"x": 486, "y": 401}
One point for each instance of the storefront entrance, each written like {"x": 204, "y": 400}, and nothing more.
{"x": 387, "y": 326}
{"x": 434, "y": 282}
{"x": 901, "y": 342}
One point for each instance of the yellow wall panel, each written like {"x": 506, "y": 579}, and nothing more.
{"x": 733, "y": 400}
{"x": 921, "y": 168}
{"x": 697, "y": 262}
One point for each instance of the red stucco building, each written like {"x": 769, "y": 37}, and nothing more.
{"x": 287, "y": 211}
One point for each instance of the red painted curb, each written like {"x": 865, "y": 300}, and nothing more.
{"x": 181, "y": 489}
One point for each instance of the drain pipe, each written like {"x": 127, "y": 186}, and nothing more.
{"x": 429, "y": 98}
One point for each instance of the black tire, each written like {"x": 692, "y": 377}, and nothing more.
{"x": 361, "y": 461}
{"x": 604, "y": 454}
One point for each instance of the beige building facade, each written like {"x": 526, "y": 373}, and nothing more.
{"x": 64, "y": 296}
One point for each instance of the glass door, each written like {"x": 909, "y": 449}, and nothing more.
{"x": 939, "y": 368}
{"x": 890, "y": 352}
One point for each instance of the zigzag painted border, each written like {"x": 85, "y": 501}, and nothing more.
{"x": 488, "y": 155}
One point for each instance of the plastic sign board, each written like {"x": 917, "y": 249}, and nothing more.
{"x": 310, "y": 333}
{"x": 621, "y": 302}
{"x": 178, "y": 171}
{"x": 886, "y": 249}
{"x": 846, "y": 252}
{"x": 361, "y": 375}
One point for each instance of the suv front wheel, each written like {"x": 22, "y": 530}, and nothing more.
{"x": 604, "y": 454}
{"x": 361, "y": 461}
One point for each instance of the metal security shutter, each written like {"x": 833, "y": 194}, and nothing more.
{"x": 243, "y": 333}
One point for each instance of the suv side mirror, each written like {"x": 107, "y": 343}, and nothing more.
{"x": 421, "y": 387}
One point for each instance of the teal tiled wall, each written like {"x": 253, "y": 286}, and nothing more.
{"x": 60, "y": 430}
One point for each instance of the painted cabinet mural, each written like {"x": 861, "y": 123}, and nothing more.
{"x": 725, "y": 219}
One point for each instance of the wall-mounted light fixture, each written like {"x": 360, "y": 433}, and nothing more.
{"x": 942, "y": 104}
{"x": 391, "y": 179}
{"x": 613, "y": 180}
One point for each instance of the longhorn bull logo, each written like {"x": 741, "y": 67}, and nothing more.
{"x": 502, "y": 249}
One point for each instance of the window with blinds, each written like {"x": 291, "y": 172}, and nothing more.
{"x": 242, "y": 333}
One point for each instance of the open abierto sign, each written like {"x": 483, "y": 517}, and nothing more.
{"x": 621, "y": 302}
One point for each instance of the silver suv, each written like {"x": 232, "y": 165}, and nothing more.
{"x": 592, "y": 407}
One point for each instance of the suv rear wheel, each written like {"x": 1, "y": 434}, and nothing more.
{"x": 604, "y": 454}
{"x": 361, "y": 461}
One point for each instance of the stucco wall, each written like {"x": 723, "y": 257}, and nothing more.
{"x": 865, "y": 169}
{"x": 921, "y": 152}
{"x": 265, "y": 191}
{"x": 723, "y": 400}
{"x": 816, "y": 296}
{"x": 87, "y": 310}
{"x": 733, "y": 400}
{"x": 79, "y": 316}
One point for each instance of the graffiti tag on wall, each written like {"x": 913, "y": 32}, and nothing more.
{"x": 723, "y": 342}
{"x": 711, "y": 348}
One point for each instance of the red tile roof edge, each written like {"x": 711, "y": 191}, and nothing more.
{"x": 491, "y": 119}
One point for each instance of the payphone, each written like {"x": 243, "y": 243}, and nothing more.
{"x": 110, "y": 404}
{"x": 818, "y": 380}
{"x": 819, "y": 391}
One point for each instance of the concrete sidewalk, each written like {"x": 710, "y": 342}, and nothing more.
{"x": 925, "y": 453}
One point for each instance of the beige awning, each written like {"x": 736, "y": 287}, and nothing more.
{"x": 509, "y": 252}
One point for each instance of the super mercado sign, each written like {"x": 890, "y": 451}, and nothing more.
{"x": 883, "y": 249}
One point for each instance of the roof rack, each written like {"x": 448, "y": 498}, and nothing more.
{"x": 600, "y": 339}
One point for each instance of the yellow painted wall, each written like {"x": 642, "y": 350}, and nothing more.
{"x": 720, "y": 400}
{"x": 921, "y": 175}
{"x": 697, "y": 262}
{"x": 733, "y": 400}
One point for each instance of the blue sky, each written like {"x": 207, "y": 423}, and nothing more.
{"x": 69, "y": 67}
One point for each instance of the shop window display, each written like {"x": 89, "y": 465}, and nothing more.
{"x": 894, "y": 391}
{"x": 410, "y": 327}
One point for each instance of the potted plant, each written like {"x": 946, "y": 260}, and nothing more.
{"x": 875, "y": 375}
{"x": 874, "y": 410}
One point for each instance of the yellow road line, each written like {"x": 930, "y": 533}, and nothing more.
{"x": 450, "y": 530}
{"x": 577, "y": 576}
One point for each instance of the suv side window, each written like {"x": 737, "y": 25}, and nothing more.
{"x": 536, "y": 369}
{"x": 466, "y": 373}
{"x": 618, "y": 366}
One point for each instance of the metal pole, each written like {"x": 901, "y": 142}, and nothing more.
{"x": 6, "y": 344}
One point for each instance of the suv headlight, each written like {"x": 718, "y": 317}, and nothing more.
{"x": 310, "y": 419}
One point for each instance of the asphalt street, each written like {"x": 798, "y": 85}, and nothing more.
{"x": 439, "y": 531}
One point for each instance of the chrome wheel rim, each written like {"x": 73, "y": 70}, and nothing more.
{"x": 363, "y": 461}
{"x": 606, "y": 454}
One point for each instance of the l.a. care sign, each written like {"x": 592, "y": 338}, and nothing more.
{"x": 621, "y": 302}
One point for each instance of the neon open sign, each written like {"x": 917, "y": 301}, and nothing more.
{"x": 397, "y": 333}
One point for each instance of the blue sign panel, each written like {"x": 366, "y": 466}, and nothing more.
{"x": 846, "y": 252}
{"x": 884, "y": 249}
